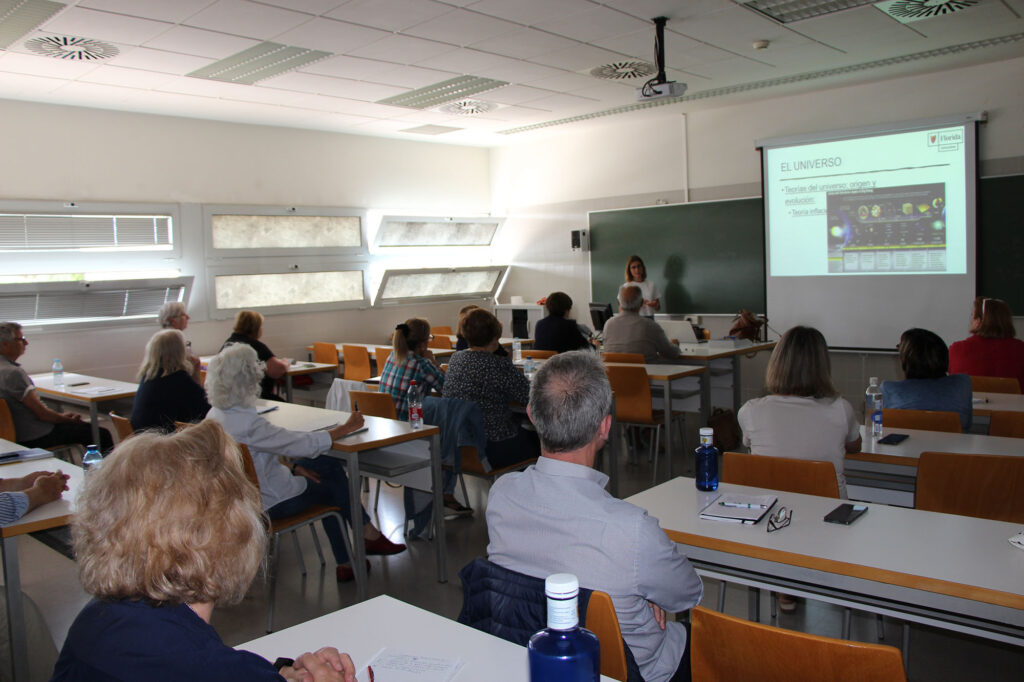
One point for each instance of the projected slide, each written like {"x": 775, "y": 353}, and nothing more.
{"x": 876, "y": 205}
{"x": 891, "y": 230}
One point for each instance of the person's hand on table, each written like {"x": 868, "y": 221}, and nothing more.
{"x": 659, "y": 614}
{"x": 324, "y": 665}
{"x": 46, "y": 488}
{"x": 354, "y": 422}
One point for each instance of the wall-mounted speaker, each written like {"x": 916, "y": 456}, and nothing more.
{"x": 580, "y": 240}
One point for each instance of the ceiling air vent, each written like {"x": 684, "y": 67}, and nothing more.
{"x": 467, "y": 107}
{"x": 70, "y": 47}
{"x": 623, "y": 70}
{"x": 908, "y": 11}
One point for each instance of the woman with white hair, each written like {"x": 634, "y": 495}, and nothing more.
{"x": 233, "y": 385}
{"x": 167, "y": 392}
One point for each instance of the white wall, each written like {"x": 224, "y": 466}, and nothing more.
{"x": 68, "y": 153}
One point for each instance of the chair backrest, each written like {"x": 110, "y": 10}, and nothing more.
{"x": 7, "y": 431}
{"x": 928, "y": 420}
{"x": 803, "y": 476}
{"x": 995, "y": 384}
{"x": 632, "y": 391}
{"x": 604, "y": 622}
{"x": 726, "y": 648}
{"x": 441, "y": 330}
{"x": 325, "y": 352}
{"x": 1009, "y": 424}
{"x": 249, "y": 465}
{"x": 539, "y": 354}
{"x": 122, "y": 425}
{"x": 381, "y": 354}
{"x": 357, "y": 362}
{"x": 985, "y": 486}
{"x": 637, "y": 358}
{"x": 373, "y": 404}
{"x": 441, "y": 341}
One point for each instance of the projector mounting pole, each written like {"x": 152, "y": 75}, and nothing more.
{"x": 659, "y": 48}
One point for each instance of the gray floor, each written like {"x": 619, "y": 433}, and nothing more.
{"x": 411, "y": 577}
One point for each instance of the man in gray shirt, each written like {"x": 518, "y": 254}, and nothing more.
{"x": 627, "y": 332}
{"x": 556, "y": 517}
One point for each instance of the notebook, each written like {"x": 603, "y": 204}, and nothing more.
{"x": 738, "y": 508}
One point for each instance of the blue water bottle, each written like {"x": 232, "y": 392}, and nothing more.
{"x": 92, "y": 457}
{"x": 563, "y": 651}
{"x": 707, "y": 460}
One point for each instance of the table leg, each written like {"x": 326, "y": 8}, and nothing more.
{"x": 667, "y": 394}
{"x": 736, "y": 393}
{"x": 15, "y": 610}
{"x": 94, "y": 416}
{"x": 705, "y": 395}
{"x": 288, "y": 387}
{"x": 358, "y": 557}
{"x": 437, "y": 483}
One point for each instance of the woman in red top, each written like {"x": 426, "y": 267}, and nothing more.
{"x": 991, "y": 350}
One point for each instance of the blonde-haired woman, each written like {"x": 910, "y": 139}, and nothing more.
{"x": 167, "y": 392}
{"x": 248, "y": 329}
{"x": 410, "y": 360}
{"x": 167, "y": 529}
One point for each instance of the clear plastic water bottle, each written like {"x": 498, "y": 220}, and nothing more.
{"x": 415, "y": 406}
{"x": 707, "y": 460}
{"x": 517, "y": 349}
{"x": 92, "y": 457}
{"x": 529, "y": 367}
{"x": 873, "y": 408}
{"x": 563, "y": 651}
{"x": 58, "y": 372}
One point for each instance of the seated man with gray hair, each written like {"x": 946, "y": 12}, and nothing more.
{"x": 628, "y": 332}
{"x": 557, "y": 517}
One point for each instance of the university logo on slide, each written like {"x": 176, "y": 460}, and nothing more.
{"x": 946, "y": 140}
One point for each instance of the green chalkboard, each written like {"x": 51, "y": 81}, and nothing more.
{"x": 705, "y": 257}
{"x": 1001, "y": 240}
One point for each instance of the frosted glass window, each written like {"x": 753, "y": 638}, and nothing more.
{"x": 40, "y": 232}
{"x": 284, "y": 232}
{"x": 401, "y": 285}
{"x": 291, "y": 288}
{"x": 422, "y": 232}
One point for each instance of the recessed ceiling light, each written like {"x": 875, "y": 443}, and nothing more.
{"x": 258, "y": 62}
{"x": 19, "y": 18}
{"x": 441, "y": 93}
{"x": 71, "y": 47}
{"x": 621, "y": 70}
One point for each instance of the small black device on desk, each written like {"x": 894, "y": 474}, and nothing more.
{"x": 893, "y": 439}
{"x": 846, "y": 513}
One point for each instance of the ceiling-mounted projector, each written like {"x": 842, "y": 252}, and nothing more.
{"x": 660, "y": 86}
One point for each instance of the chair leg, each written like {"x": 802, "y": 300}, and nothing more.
{"x": 298, "y": 551}
{"x": 773, "y": 600}
{"x": 654, "y": 455}
{"x": 880, "y": 627}
{"x": 721, "y": 596}
{"x": 271, "y": 581}
{"x": 847, "y": 619}
{"x": 316, "y": 544}
{"x": 906, "y": 646}
{"x": 465, "y": 493}
{"x": 376, "y": 497}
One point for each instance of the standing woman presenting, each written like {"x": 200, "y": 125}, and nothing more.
{"x": 636, "y": 272}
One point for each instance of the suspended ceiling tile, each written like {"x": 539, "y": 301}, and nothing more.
{"x": 735, "y": 28}
{"x": 638, "y": 44}
{"x": 30, "y": 64}
{"x": 17, "y": 85}
{"x": 832, "y": 28}
{"x": 331, "y": 35}
{"x": 160, "y": 10}
{"x": 87, "y": 23}
{"x": 195, "y": 41}
{"x": 975, "y": 23}
{"x": 412, "y": 77}
{"x": 565, "y": 104}
{"x": 595, "y": 24}
{"x": 524, "y": 44}
{"x": 311, "y": 6}
{"x": 673, "y": 9}
{"x": 578, "y": 58}
{"x": 109, "y": 74}
{"x": 516, "y": 94}
{"x": 530, "y": 12}
{"x": 515, "y": 71}
{"x": 337, "y": 87}
{"x": 389, "y": 15}
{"x": 356, "y": 68}
{"x": 247, "y": 19}
{"x": 158, "y": 60}
{"x": 681, "y": 51}
{"x": 401, "y": 49}
{"x": 565, "y": 82}
{"x": 464, "y": 61}
{"x": 462, "y": 27}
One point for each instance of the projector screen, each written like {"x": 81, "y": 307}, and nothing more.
{"x": 870, "y": 232}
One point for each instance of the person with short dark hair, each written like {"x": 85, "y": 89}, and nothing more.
{"x": 36, "y": 425}
{"x": 803, "y": 416}
{"x": 557, "y": 517}
{"x": 927, "y": 386}
{"x": 557, "y": 331}
{"x": 492, "y": 382}
{"x": 248, "y": 329}
{"x": 992, "y": 349}
{"x": 166, "y": 530}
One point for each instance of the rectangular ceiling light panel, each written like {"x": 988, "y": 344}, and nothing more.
{"x": 445, "y": 91}
{"x": 19, "y": 17}
{"x": 258, "y": 63}
{"x": 788, "y": 11}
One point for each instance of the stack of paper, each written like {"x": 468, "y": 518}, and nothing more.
{"x": 738, "y": 508}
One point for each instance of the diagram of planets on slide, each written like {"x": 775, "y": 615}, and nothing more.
{"x": 862, "y": 212}
{"x": 876, "y": 211}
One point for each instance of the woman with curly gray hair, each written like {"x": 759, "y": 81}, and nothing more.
{"x": 232, "y": 386}
{"x": 168, "y": 528}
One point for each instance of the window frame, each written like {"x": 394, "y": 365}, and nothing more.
{"x": 210, "y": 210}
{"x": 497, "y": 222}
{"x": 499, "y": 282}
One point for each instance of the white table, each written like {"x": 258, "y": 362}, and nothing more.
{"x": 704, "y": 354}
{"x": 361, "y": 455}
{"x": 997, "y": 402}
{"x": 297, "y": 368}
{"x": 888, "y": 473}
{"x": 954, "y": 572}
{"x": 84, "y": 390}
{"x": 51, "y": 515}
{"x": 365, "y": 628}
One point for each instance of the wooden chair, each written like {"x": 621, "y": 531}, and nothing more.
{"x": 984, "y": 486}
{"x": 472, "y": 466}
{"x": 995, "y": 385}
{"x": 604, "y": 622}
{"x": 326, "y": 353}
{"x": 928, "y": 420}
{"x": 441, "y": 342}
{"x": 374, "y": 405}
{"x": 726, "y": 648}
{"x": 802, "y": 476}
{"x": 357, "y": 363}
{"x": 8, "y": 432}
{"x": 633, "y": 407}
{"x": 308, "y": 517}
{"x": 123, "y": 427}
{"x": 381, "y": 354}
{"x": 1009, "y": 424}
{"x": 441, "y": 330}
{"x": 636, "y": 358}
{"x": 538, "y": 354}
